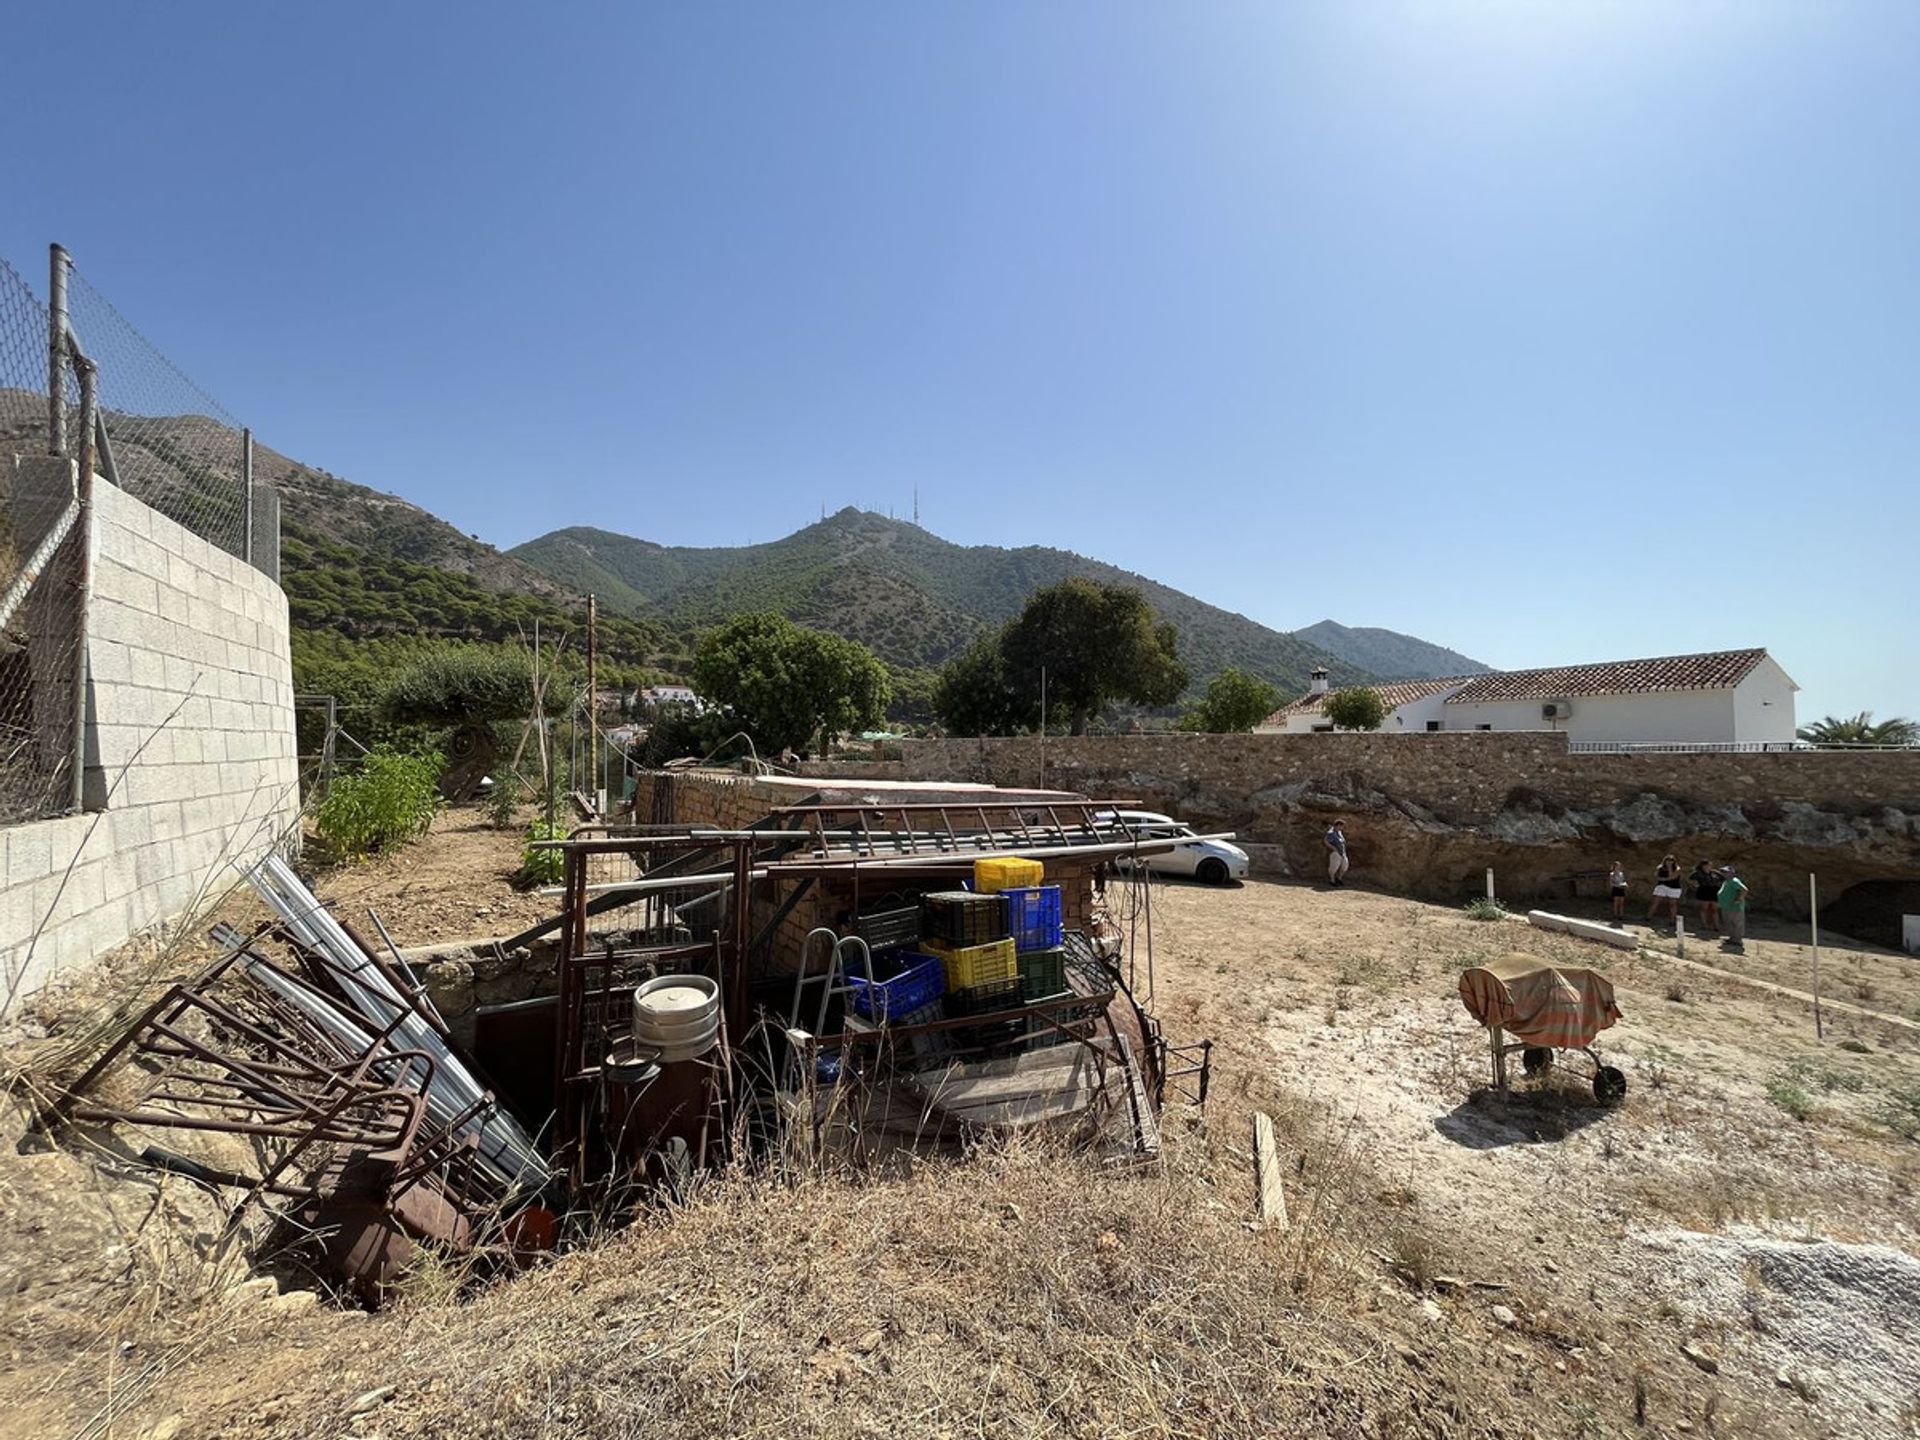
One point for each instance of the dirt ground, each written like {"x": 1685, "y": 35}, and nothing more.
{"x": 1730, "y": 1251}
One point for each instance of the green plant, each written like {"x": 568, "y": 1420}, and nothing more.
{"x": 1862, "y": 729}
{"x": 1235, "y": 702}
{"x": 540, "y": 865}
{"x": 1484, "y": 907}
{"x": 1899, "y": 1111}
{"x": 1786, "y": 1091}
{"x": 388, "y": 801}
{"x": 1355, "y": 708}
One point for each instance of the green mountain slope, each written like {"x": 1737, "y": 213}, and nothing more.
{"x": 1388, "y": 653}
{"x": 911, "y": 596}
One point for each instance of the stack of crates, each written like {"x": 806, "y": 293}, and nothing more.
{"x": 1033, "y": 919}
{"x": 968, "y": 931}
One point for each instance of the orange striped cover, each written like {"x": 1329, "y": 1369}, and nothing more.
{"x": 1539, "y": 1003}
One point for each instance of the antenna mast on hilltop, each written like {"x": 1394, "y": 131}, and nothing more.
{"x": 916, "y": 504}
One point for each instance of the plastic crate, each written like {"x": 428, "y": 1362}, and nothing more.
{"x": 1042, "y": 972}
{"x": 971, "y": 965}
{"x": 1005, "y": 872}
{"x": 1033, "y": 917}
{"x": 918, "y": 985}
{"x": 888, "y": 929}
{"x": 986, "y": 999}
{"x": 960, "y": 917}
{"x": 990, "y": 1002}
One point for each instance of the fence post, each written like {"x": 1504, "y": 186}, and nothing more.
{"x": 58, "y": 262}
{"x": 82, "y": 540}
{"x": 246, "y": 490}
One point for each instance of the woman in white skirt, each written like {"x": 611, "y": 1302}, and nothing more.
{"x": 1669, "y": 889}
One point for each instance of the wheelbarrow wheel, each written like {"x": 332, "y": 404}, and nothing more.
{"x": 1536, "y": 1060}
{"x": 1609, "y": 1085}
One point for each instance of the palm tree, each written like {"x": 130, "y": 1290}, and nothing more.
{"x": 1862, "y": 729}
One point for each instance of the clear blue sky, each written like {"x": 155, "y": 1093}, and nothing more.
{"x": 1552, "y": 332}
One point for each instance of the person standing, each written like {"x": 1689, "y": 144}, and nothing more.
{"x": 1337, "y": 853}
{"x": 1667, "y": 890}
{"x": 1706, "y": 896}
{"x": 1733, "y": 911}
{"x": 1617, "y": 882}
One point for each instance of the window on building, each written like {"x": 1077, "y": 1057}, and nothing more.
{"x": 1433, "y": 724}
{"x": 1483, "y": 727}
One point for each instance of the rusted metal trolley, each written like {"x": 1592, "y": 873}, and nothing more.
{"x": 1543, "y": 1007}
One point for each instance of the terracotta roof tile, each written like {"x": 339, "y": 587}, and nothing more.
{"x": 1715, "y": 670}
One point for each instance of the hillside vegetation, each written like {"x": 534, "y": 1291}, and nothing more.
{"x": 914, "y": 598}
{"x": 1388, "y": 654}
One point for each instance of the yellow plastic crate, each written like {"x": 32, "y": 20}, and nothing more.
{"x": 992, "y": 873}
{"x": 971, "y": 965}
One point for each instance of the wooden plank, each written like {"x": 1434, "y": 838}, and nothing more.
{"x": 1266, "y": 1172}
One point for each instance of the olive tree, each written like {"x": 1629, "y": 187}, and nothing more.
{"x": 1358, "y": 707}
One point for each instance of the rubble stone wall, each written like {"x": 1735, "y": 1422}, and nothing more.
{"x": 190, "y": 752}
{"x": 1427, "y": 814}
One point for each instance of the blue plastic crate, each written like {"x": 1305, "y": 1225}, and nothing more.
{"x": 1033, "y": 916}
{"x": 920, "y": 983}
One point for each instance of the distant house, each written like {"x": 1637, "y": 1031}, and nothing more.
{"x": 1718, "y": 698}
{"x": 669, "y": 695}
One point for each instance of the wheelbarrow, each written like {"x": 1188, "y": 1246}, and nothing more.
{"x": 1544, "y": 1008}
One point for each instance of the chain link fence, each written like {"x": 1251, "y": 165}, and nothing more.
{"x": 42, "y": 564}
{"x": 79, "y": 384}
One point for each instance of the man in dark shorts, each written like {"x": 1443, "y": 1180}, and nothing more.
{"x": 1706, "y": 896}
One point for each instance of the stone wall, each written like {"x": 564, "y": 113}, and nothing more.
{"x": 1429, "y": 813}
{"x": 190, "y": 759}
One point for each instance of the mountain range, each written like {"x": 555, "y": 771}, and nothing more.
{"x": 359, "y": 565}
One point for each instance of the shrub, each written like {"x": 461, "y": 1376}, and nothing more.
{"x": 1483, "y": 908}
{"x": 1787, "y": 1092}
{"x": 390, "y": 800}
{"x": 1899, "y": 1111}
{"x": 538, "y": 865}
{"x": 1355, "y": 708}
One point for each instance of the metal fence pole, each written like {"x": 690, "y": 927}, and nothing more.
{"x": 82, "y": 540}
{"x": 246, "y": 489}
{"x": 58, "y": 263}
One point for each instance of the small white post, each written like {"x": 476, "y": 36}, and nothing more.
{"x": 1489, "y": 882}
{"x": 1680, "y": 933}
{"x": 1813, "y": 922}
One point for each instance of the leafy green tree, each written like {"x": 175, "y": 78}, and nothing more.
{"x": 975, "y": 693}
{"x": 467, "y": 690}
{"x": 1096, "y": 644}
{"x": 914, "y": 691}
{"x": 1357, "y": 707}
{"x": 786, "y": 684}
{"x": 1235, "y": 702}
{"x": 1862, "y": 729}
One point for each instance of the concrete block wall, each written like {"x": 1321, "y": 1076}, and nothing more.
{"x": 190, "y": 753}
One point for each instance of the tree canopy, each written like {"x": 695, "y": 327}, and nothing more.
{"x": 1235, "y": 702}
{"x": 1358, "y": 707}
{"x": 1093, "y": 644}
{"x": 786, "y": 684}
{"x": 1862, "y": 729}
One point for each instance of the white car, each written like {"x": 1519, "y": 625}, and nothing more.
{"x": 1213, "y": 862}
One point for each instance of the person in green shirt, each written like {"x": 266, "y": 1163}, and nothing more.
{"x": 1733, "y": 911}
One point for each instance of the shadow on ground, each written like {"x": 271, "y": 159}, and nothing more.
{"x": 1527, "y": 1117}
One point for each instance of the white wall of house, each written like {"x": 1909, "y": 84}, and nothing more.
{"x": 1692, "y": 716}
{"x": 1763, "y": 705}
{"x": 1412, "y": 717}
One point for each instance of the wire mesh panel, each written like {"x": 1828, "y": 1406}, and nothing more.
{"x": 173, "y": 445}
{"x": 41, "y": 543}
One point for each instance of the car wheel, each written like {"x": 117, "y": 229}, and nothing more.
{"x": 1212, "y": 872}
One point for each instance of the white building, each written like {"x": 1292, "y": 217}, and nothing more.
{"x": 1720, "y": 698}
{"x": 1412, "y": 705}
